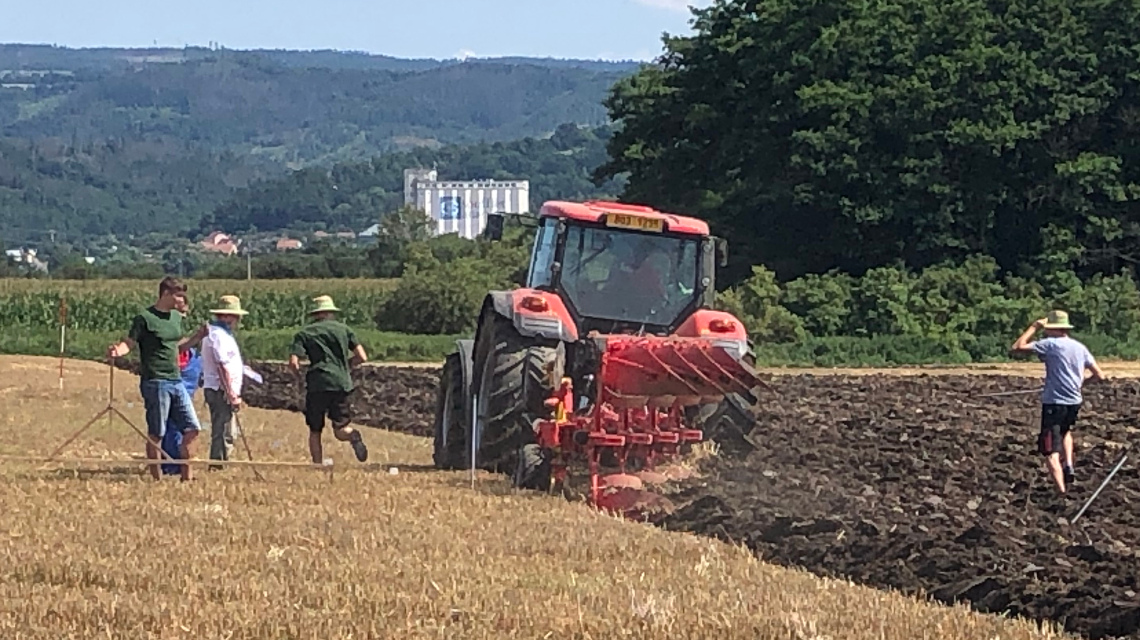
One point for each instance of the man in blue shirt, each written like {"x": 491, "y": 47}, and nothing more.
{"x": 1066, "y": 361}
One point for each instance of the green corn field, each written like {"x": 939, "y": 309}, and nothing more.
{"x": 109, "y": 305}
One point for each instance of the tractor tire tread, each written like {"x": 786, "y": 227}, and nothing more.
{"x": 450, "y": 450}
{"x": 517, "y": 393}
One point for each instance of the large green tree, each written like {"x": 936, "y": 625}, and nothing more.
{"x": 849, "y": 134}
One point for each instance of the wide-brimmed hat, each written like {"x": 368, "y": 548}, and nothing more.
{"x": 229, "y": 306}
{"x": 324, "y": 303}
{"x": 1057, "y": 319}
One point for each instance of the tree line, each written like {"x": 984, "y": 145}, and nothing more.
{"x": 857, "y": 136}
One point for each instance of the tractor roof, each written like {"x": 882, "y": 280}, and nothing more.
{"x": 603, "y": 211}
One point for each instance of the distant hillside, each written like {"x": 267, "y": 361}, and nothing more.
{"x": 131, "y": 187}
{"x": 93, "y": 141}
{"x": 114, "y": 187}
{"x": 352, "y": 194}
{"x": 285, "y": 116}
{"x": 39, "y": 57}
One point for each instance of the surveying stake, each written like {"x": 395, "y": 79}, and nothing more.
{"x": 110, "y": 411}
{"x": 62, "y": 335}
{"x": 1096, "y": 493}
{"x": 1019, "y": 392}
{"x": 248, "y": 451}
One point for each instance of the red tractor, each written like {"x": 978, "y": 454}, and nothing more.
{"x": 610, "y": 356}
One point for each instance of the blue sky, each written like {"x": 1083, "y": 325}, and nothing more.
{"x": 612, "y": 29}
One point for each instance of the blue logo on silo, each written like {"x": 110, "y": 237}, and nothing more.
{"x": 450, "y": 208}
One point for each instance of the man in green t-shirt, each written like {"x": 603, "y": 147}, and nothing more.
{"x": 157, "y": 332}
{"x": 331, "y": 348}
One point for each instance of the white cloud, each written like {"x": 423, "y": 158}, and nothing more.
{"x": 464, "y": 54}
{"x": 680, "y": 6}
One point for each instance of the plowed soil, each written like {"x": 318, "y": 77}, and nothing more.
{"x": 400, "y": 399}
{"x": 907, "y": 482}
{"x": 917, "y": 484}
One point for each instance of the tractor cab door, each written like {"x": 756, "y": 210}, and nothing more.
{"x": 541, "y": 272}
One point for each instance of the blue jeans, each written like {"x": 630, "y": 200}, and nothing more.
{"x": 167, "y": 400}
{"x": 172, "y": 445}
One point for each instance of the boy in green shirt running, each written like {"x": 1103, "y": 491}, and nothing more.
{"x": 157, "y": 332}
{"x": 331, "y": 348}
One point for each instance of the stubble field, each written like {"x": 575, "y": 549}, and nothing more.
{"x": 420, "y": 554}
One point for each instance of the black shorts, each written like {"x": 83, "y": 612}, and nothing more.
{"x": 334, "y": 404}
{"x": 1056, "y": 421}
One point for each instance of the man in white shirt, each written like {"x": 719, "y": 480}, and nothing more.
{"x": 222, "y": 372}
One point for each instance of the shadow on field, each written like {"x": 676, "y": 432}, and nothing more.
{"x": 113, "y": 474}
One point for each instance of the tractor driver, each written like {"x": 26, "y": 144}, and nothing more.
{"x": 639, "y": 277}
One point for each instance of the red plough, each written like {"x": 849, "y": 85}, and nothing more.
{"x": 644, "y": 385}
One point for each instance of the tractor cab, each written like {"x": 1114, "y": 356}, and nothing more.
{"x": 623, "y": 268}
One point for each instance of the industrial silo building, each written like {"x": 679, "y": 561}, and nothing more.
{"x": 462, "y": 206}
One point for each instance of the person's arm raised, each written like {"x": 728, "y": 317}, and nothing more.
{"x": 1024, "y": 342}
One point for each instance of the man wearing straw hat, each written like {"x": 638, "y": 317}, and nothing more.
{"x": 222, "y": 372}
{"x": 332, "y": 349}
{"x": 1066, "y": 361}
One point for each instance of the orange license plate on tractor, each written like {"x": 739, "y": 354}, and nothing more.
{"x": 639, "y": 223}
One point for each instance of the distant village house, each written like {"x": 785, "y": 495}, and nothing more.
{"x": 26, "y": 257}
{"x": 218, "y": 242}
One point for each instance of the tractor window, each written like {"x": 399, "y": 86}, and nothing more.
{"x": 628, "y": 276}
{"x": 542, "y": 257}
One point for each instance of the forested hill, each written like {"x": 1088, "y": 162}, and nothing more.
{"x": 134, "y": 187}
{"x": 41, "y": 57}
{"x": 281, "y": 115}
{"x": 118, "y": 141}
{"x": 350, "y": 194}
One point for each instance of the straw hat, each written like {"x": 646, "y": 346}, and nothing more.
{"x": 324, "y": 303}
{"x": 229, "y": 306}
{"x": 1057, "y": 319}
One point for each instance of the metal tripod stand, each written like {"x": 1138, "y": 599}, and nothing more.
{"x": 110, "y": 410}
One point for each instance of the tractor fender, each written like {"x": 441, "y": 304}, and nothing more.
{"x": 721, "y": 328}
{"x": 699, "y": 325}
{"x": 534, "y": 313}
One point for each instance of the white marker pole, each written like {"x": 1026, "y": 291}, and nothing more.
{"x": 474, "y": 436}
{"x": 62, "y": 336}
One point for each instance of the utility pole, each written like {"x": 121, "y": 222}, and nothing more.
{"x": 248, "y": 265}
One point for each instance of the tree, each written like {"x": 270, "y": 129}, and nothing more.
{"x": 398, "y": 230}
{"x": 842, "y": 134}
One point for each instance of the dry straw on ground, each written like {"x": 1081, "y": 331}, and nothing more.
{"x": 109, "y": 554}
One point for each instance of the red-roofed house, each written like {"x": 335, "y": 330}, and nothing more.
{"x": 219, "y": 242}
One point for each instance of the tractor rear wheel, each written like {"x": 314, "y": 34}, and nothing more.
{"x": 450, "y": 436}
{"x": 515, "y": 378}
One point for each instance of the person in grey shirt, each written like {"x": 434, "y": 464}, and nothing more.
{"x": 1066, "y": 361}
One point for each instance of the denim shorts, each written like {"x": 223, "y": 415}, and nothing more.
{"x": 168, "y": 400}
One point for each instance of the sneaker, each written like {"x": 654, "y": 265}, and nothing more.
{"x": 1070, "y": 477}
{"x": 358, "y": 447}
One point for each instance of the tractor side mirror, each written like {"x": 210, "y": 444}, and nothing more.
{"x": 722, "y": 252}
{"x": 494, "y": 228}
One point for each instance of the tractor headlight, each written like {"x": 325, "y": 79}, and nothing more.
{"x": 541, "y": 325}
{"x": 737, "y": 348}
